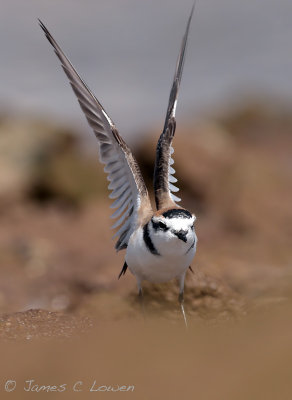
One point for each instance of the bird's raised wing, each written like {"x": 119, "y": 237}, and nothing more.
{"x": 126, "y": 182}
{"x": 163, "y": 171}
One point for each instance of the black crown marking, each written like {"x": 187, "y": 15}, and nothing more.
{"x": 177, "y": 213}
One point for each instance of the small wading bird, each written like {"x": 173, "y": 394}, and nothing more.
{"x": 160, "y": 245}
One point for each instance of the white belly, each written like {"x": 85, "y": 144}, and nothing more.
{"x": 173, "y": 261}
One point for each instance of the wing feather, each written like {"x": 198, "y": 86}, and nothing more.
{"x": 163, "y": 172}
{"x": 127, "y": 213}
{"x": 126, "y": 182}
{"x": 121, "y": 209}
{"x": 171, "y": 179}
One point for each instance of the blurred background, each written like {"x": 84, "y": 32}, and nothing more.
{"x": 126, "y": 52}
{"x": 58, "y": 269}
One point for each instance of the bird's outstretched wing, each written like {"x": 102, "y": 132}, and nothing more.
{"x": 163, "y": 171}
{"x": 126, "y": 182}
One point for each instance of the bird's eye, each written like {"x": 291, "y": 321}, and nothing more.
{"x": 159, "y": 225}
{"x": 162, "y": 226}
{"x": 192, "y": 227}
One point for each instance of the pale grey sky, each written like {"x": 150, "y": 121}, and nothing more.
{"x": 126, "y": 51}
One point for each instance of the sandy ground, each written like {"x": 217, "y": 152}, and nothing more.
{"x": 249, "y": 359}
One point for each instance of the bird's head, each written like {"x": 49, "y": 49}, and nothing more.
{"x": 174, "y": 227}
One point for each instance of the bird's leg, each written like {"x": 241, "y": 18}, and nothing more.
{"x": 140, "y": 296}
{"x": 181, "y": 302}
{"x": 181, "y": 298}
{"x": 141, "y": 300}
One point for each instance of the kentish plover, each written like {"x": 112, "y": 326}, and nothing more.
{"x": 160, "y": 245}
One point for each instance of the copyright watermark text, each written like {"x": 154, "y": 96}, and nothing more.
{"x": 79, "y": 386}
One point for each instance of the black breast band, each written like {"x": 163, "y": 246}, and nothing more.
{"x": 148, "y": 242}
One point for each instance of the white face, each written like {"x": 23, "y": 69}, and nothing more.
{"x": 176, "y": 229}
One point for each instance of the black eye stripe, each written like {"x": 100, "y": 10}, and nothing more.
{"x": 162, "y": 225}
{"x": 159, "y": 225}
